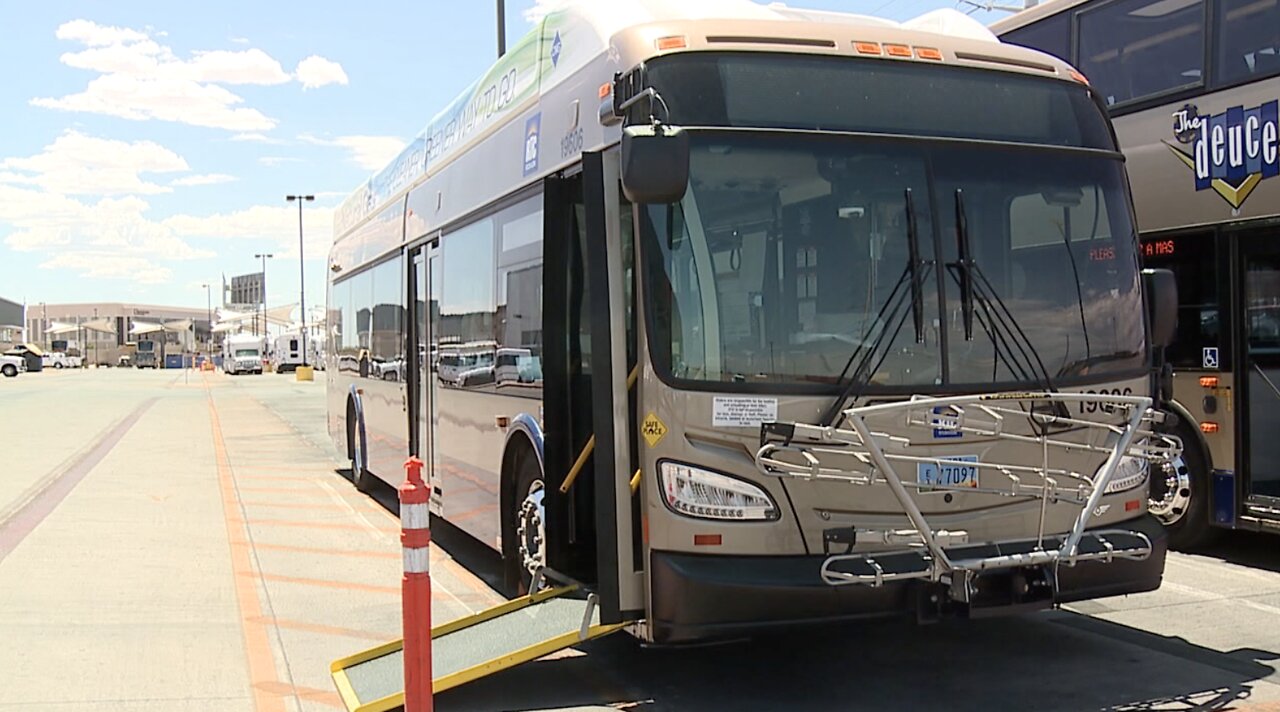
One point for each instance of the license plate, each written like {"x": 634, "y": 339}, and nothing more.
{"x": 954, "y": 471}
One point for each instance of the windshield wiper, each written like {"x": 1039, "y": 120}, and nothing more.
{"x": 965, "y": 266}
{"x": 917, "y": 288}
{"x": 997, "y": 320}
{"x": 913, "y": 275}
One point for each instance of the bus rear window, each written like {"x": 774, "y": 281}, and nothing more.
{"x": 876, "y": 96}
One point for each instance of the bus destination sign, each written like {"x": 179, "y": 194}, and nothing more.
{"x": 1230, "y": 152}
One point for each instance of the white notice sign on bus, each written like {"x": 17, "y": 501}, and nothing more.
{"x": 743, "y": 411}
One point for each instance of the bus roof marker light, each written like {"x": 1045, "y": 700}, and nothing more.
{"x": 672, "y": 42}
{"x": 867, "y": 48}
{"x": 1076, "y": 75}
{"x": 929, "y": 53}
{"x": 897, "y": 50}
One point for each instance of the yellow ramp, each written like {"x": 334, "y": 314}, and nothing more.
{"x": 469, "y": 648}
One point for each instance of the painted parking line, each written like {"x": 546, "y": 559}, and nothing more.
{"x": 41, "y": 503}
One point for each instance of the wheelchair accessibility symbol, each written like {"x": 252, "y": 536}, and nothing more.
{"x": 1209, "y": 357}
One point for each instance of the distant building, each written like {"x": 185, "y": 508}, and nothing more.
{"x": 10, "y": 324}
{"x": 102, "y": 330}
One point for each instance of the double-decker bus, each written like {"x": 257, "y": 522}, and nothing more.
{"x": 1193, "y": 89}
{"x": 815, "y": 317}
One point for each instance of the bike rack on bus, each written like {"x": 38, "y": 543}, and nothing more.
{"x": 868, "y": 443}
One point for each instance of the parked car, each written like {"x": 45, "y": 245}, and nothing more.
{"x": 11, "y": 366}
{"x": 31, "y": 354}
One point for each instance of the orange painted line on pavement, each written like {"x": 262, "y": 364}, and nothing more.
{"x": 327, "y": 629}
{"x": 327, "y": 466}
{"x": 335, "y": 552}
{"x": 281, "y": 490}
{"x": 344, "y": 585}
{"x": 296, "y": 505}
{"x": 274, "y": 478}
{"x": 317, "y": 525}
{"x": 311, "y": 694}
{"x": 257, "y": 644}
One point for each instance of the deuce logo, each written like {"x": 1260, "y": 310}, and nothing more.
{"x": 1233, "y": 151}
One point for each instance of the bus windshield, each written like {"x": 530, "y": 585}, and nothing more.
{"x": 789, "y": 255}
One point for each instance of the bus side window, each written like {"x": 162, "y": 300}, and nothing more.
{"x": 1136, "y": 49}
{"x": 1247, "y": 37}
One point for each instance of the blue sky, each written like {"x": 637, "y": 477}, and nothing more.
{"x": 146, "y": 148}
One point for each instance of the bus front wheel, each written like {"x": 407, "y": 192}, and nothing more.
{"x": 360, "y": 476}
{"x": 528, "y": 523}
{"x": 1180, "y": 495}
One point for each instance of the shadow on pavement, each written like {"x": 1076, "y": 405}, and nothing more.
{"x": 480, "y": 560}
{"x": 1259, "y": 550}
{"x": 1054, "y": 661}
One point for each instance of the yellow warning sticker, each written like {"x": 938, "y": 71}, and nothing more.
{"x": 652, "y": 429}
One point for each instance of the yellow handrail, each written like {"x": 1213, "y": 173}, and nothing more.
{"x": 587, "y": 449}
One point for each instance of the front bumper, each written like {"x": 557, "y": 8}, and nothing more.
{"x": 698, "y": 597}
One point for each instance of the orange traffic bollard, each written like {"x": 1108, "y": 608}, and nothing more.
{"x": 415, "y": 587}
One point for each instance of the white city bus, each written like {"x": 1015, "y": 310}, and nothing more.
{"x": 831, "y": 317}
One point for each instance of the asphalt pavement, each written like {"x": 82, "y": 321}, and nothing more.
{"x": 188, "y": 541}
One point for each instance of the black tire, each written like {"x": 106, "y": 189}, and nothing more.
{"x": 1192, "y": 528}
{"x": 9, "y": 370}
{"x": 359, "y": 452}
{"x": 57, "y": 366}
{"x": 528, "y": 478}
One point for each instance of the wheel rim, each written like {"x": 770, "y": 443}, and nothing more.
{"x": 531, "y": 530}
{"x": 1171, "y": 493}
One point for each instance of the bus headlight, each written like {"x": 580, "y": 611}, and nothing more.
{"x": 703, "y": 494}
{"x": 1130, "y": 473}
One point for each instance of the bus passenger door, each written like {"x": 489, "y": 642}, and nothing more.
{"x": 420, "y": 360}
{"x": 1260, "y": 367}
{"x": 621, "y": 579}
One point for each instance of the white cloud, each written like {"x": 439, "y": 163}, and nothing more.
{"x": 369, "y": 152}
{"x": 250, "y": 66}
{"x": 278, "y": 223}
{"x": 316, "y": 71}
{"x": 77, "y": 164}
{"x": 102, "y": 265}
{"x": 177, "y": 100}
{"x": 205, "y": 179}
{"x": 240, "y": 40}
{"x": 256, "y": 138}
{"x": 95, "y": 35}
{"x": 46, "y": 222}
{"x": 141, "y": 79}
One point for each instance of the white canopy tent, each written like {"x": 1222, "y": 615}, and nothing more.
{"x": 102, "y": 326}
{"x": 56, "y": 328}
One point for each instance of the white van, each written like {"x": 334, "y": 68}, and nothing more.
{"x": 288, "y": 352}
{"x": 242, "y": 353}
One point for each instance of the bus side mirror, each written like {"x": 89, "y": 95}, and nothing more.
{"x": 1162, "y": 305}
{"x": 655, "y": 164}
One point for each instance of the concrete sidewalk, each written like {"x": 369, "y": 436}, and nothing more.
{"x": 182, "y": 546}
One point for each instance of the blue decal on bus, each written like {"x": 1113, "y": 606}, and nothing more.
{"x": 1230, "y": 152}
{"x": 531, "y": 128}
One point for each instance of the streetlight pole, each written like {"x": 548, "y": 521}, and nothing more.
{"x": 302, "y": 272}
{"x": 502, "y": 28}
{"x": 264, "y": 257}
